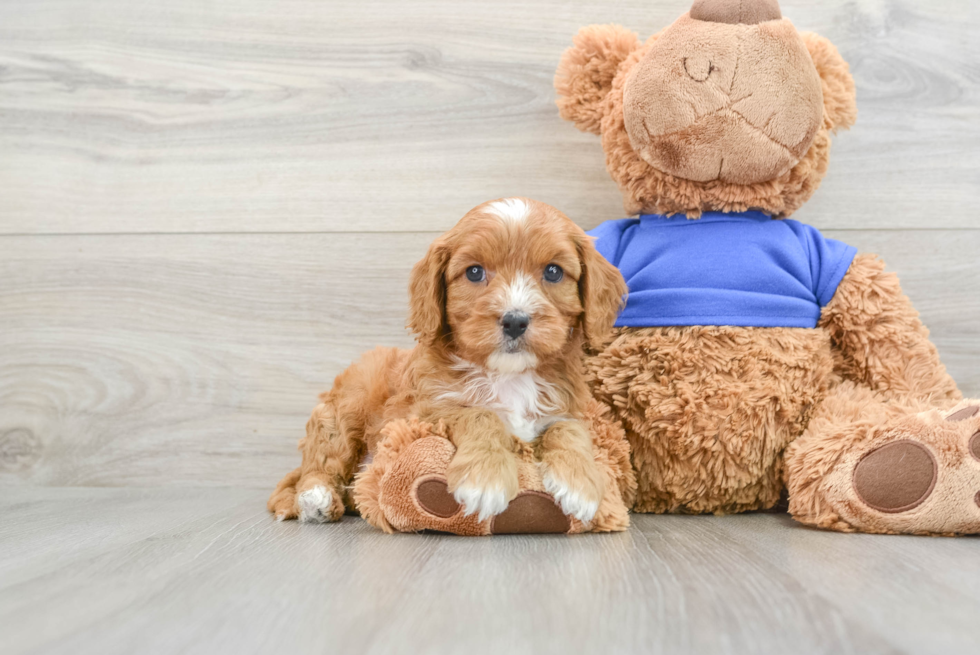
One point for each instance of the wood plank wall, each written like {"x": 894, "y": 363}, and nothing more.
{"x": 207, "y": 209}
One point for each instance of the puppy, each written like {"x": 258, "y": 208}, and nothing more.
{"x": 501, "y": 307}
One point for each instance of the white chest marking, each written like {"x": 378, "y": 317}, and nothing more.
{"x": 526, "y": 404}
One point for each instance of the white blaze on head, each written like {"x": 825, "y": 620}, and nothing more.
{"x": 521, "y": 295}
{"x": 513, "y": 210}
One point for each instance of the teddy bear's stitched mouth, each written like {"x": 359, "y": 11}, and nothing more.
{"x": 720, "y": 113}
{"x": 709, "y": 142}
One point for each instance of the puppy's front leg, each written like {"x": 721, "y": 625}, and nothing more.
{"x": 569, "y": 471}
{"x": 482, "y": 475}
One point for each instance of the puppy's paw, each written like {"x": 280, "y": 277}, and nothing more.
{"x": 482, "y": 501}
{"x": 577, "y": 496}
{"x": 283, "y": 504}
{"x": 484, "y": 484}
{"x": 319, "y": 504}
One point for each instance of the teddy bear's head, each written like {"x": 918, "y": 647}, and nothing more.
{"x": 728, "y": 109}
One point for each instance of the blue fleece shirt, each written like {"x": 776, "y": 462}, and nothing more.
{"x": 744, "y": 269}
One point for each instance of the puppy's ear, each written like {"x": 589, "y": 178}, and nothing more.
{"x": 603, "y": 291}
{"x": 839, "y": 96}
{"x": 427, "y": 294}
{"x": 586, "y": 72}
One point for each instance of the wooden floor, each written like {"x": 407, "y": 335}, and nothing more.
{"x": 107, "y": 571}
{"x": 208, "y": 209}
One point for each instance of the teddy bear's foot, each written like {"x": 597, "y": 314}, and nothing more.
{"x": 405, "y": 487}
{"x": 920, "y": 475}
{"x": 529, "y": 512}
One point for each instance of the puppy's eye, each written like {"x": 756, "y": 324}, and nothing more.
{"x": 476, "y": 274}
{"x": 553, "y": 273}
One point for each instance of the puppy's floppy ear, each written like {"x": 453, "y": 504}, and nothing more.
{"x": 839, "y": 96}
{"x": 586, "y": 72}
{"x": 603, "y": 291}
{"x": 427, "y": 294}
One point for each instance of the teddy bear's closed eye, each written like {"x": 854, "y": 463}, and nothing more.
{"x": 698, "y": 67}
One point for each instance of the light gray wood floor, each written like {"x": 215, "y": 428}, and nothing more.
{"x": 107, "y": 571}
{"x": 207, "y": 209}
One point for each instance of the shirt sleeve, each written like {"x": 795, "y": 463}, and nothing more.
{"x": 829, "y": 261}
{"x": 609, "y": 238}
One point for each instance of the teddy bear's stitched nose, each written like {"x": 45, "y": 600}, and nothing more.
{"x": 747, "y": 12}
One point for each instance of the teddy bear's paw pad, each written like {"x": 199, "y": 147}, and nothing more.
{"x": 896, "y": 477}
{"x": 963, "y": 414}
{"x": 531, "y": 512}
{"x": 433, "y": 497}
{"x": 316, "y": 505}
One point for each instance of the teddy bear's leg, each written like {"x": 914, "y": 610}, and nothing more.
{"x": 416, "y": 496}
{"x": 869, "y": 464}
{"x": 405, "y": 487}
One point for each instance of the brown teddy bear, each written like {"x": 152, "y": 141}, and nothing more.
{"x": 754, "y": 356}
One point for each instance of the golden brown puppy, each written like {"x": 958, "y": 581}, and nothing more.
{"x": 501, "y": 306}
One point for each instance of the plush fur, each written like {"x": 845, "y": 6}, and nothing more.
{"x": 590, "y": 83}
{"x": 709, "y": 411}
{"x": 846, "y": 418}
{"x": 470, "y": 383}
{"x": 412, "y": 451}
{"x": 744, "y": 107}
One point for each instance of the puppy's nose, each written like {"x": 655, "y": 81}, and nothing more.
{"x": 515, "y": 324}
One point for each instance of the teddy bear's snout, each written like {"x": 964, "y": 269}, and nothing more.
{"x": 706, "y": 112}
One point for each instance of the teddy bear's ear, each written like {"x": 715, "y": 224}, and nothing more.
{"x": 586, "y": 71}
{"x": 839, "y": 97}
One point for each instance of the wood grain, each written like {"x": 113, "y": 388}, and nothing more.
{"x": 120, "y": 353}
{"x": 247, "y": 116}
{"x": 939, "y": 592}
{"x": 195, "y": 359}
{"x": 108, "y": 571}
{"x": 208, "y": 209}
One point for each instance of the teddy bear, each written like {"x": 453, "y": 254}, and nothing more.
{"x": 757, "y": 362}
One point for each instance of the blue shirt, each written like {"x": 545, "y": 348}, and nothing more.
{"x": 744, "y": 269}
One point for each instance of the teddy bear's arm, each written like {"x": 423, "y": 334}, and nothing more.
{"x": 878, "y": 337}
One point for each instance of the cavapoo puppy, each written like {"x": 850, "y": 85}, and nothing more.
{"x": 501, "y": 306}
